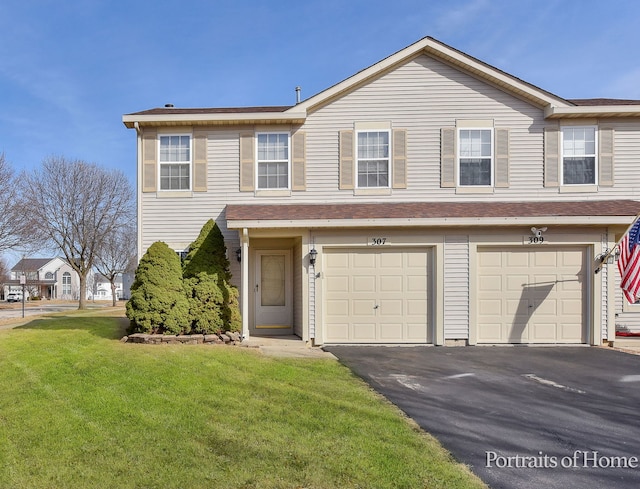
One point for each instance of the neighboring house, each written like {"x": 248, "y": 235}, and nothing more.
{"x": 430, "y": 198}
{"x": 47, "y": 278}
{"x": 102, "y": 288}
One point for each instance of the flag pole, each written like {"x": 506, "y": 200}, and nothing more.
{"x": 603, "y": 257}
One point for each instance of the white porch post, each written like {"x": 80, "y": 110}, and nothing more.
{"x": 244, "y": 286}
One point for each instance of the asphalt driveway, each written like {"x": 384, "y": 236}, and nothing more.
{"x": 520, "y": 417}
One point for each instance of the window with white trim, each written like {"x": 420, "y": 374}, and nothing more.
{"x": 373, "y": 159}
{"x": 66, "y": 284}
{"x": 175, "y": 162}
{"x": 579, "y": 155}
{"x": 273, "y": 161}
{"x": 475, "y": 157}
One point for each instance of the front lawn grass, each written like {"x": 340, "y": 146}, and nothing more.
{"x": 79, "y": 409}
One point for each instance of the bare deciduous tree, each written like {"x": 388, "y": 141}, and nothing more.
{"x": 13, "y": 233}
{"x": 76, "y": 206}
{"x": 117, "y": 255}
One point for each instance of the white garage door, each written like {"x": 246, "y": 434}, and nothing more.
{"x": 531, "y": 295}
{"x": 376, "y": 295}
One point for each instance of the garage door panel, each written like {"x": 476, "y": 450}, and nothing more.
{"x": 545, "y": 332}
{"x": 363, "y": 308}
{"x": 416, "y": 308}
{"x": 339, "y": 331}
{"x": 337, "y": 284}
{"x": 338, "y": 307}
{"x": 364, "y": 332}
{"x": 541, "y": 292}
{"x": 390, "y": 307}
{"x": 391, "y": 331}
{"x": 391, "y": 260}
{"x": 417, "y": 283}
{"x": 364, "y": 283}
{"x": 488, "y": 307}
{"x": 392, "y": 283}
{"x": 516, "y": 260}
{"x": 387, "y": 292}
{"x": 417, "y": 260}
{"x": 515, "y": 282}
{"x": 362, "y": 261}
{"x": 491, "y": 283}
{"x": 545, "y": 259}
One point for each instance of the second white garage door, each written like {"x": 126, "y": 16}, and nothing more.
{"x": 531, "y": 295}
{"x": 376, "y": 295}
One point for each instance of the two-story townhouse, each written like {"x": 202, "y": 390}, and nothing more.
{"x": 430, "y": 198}
{"x": 47, "y": 278}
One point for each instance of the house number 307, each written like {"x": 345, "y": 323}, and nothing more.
{"x": 377, "y": 241}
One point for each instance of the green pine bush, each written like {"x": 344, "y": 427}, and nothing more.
{"x": 158, "y": 303}
{"x": 213, "y": 301}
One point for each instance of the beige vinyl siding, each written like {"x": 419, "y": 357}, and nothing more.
{"x": 456, "y": 287}
{"x": 401, "y": 98}
{"x": 627, "y": 317}
{"x": 422, "y": 97}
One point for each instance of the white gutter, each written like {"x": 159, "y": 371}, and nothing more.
{"x": 553, "y": 112}
{"x": 430, "y": 222}
{"x": 213, "y": 118}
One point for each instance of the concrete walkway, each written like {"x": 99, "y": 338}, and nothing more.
{"x": 286, "y": 346}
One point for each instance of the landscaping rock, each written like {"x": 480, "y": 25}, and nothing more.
{"x": 228, "y": 338}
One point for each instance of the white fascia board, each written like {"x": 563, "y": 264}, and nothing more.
{"x": 439, "y": 222}
{"x": 589, "y": 111}
{"x": 225, "y": 118}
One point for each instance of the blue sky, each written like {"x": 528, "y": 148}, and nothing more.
{"x": 70, "y": 69}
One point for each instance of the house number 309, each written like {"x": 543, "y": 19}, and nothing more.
{"x": 377, "y": 241}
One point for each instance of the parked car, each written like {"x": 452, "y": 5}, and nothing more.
{"x": 14, "y": 297}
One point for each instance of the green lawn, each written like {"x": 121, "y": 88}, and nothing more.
{"x": 79, "y": 409}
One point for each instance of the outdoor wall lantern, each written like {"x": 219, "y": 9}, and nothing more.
{"x": 239, "y": 254}
{"x": 312, "y": 256}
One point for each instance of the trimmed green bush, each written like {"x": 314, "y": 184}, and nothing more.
{"x": 158, "y": 303}
{"x": 213, "y": 301}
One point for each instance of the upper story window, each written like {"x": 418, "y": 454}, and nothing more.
{"x": 579, "y": 155}
{"x": 475, "y": 157}
{"x": 373, "y": 159}
{"x": 48, "y": 276}
{"x": 175, "y": 162}
{"x": 66, "y": 283}
{"x": 273, "y": 161}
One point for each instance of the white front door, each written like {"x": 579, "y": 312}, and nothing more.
{"x": 273, "y": 292}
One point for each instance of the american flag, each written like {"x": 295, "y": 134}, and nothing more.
{"x": 629, "y": 262}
